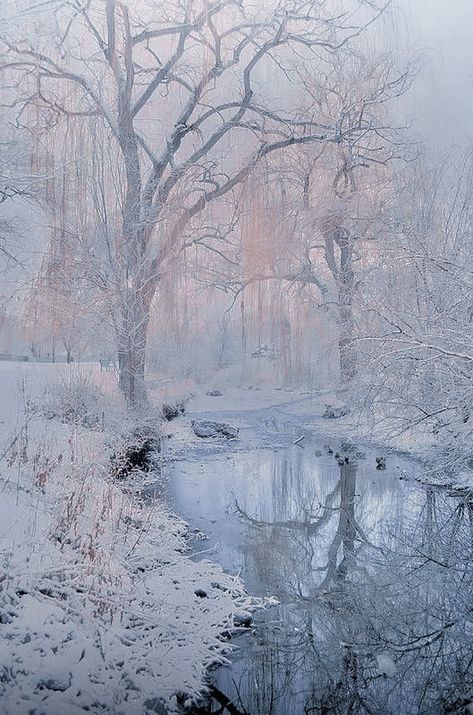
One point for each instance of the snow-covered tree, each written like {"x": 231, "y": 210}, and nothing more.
{"x": 178, "y": 102}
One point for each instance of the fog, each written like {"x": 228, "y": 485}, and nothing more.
{"x": 236, "y": 356}
{"x": 442, "y": 102}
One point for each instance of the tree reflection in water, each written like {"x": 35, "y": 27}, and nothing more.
{"x": 376, "y": 615}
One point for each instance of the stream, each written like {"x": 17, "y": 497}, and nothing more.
{"x": 372, "y": 571}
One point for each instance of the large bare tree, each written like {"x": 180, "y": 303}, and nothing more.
{"x": 176, "y": 102}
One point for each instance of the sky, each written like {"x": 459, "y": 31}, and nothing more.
{"x": 442, "y": 100}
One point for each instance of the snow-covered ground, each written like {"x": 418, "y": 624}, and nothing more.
{"x": 98, "y": 602}
{"x": 98, "y": 609}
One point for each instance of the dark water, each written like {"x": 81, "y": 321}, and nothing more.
{"x": 373, "y": 573}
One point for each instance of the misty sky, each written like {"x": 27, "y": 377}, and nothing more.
{"x": 443, "y": 99}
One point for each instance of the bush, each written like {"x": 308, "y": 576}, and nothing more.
{"x": 137, "y": 451}
{"x": 171, "y": 410}
{"x": 77, "y": 401}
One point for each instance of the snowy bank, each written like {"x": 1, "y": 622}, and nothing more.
{"x": 98, "y": 603}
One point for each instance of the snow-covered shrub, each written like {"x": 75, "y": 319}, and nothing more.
{"x": 136, "y": 450}
{"x": 76, "y": 400}
{"x": 171, "y": 410}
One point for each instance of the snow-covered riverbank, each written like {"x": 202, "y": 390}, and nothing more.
{"x": 98, "y": 603}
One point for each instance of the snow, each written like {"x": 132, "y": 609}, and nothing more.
{"x": 101, "y": 606}
{"x": 97, "y": 592}
{"x": 267, "y": 415}
{"x": 385, "y": 665}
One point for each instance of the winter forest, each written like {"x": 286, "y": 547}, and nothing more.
{"x": 236, "y": 357}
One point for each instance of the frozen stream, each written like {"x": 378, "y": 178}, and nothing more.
{"x": 372, "y": 570}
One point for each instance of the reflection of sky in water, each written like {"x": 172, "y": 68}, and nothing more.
{"x": 376, "y": 605}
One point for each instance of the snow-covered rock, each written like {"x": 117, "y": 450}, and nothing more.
{"x": 208, "y": 428}
{"x": 242, "y": 619}
{"x": 334, "y": 413}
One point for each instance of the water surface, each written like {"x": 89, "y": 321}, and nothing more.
{"x": 373, "y": 572}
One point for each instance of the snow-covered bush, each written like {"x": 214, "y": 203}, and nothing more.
{"x": 76, "y": 400}
{"x": 172, "y": 410}
{"x": 137, "y": 449}
{"x": 266, "y": 352}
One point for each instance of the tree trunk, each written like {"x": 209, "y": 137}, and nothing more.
{"x": 131, "y": 371}
{"x": 342, "y": 271}
{"x": 132, "y": 341}
{"x": 345, "y": 301}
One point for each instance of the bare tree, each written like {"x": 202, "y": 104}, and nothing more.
{"x": 176, "y": 97}
{"x": 327, "y": 207}
{"x": 17, "y": 185}
{"x": 345, "y": 188}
